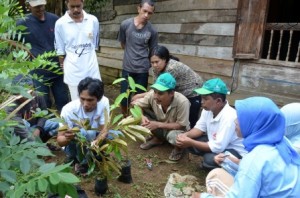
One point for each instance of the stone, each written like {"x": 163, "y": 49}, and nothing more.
{"x": 182, "y": 186}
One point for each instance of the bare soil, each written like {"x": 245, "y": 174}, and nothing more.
{"x": 146, "y": 183}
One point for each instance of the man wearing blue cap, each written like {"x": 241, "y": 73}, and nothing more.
{"x": 170, "y": 114}
{"x": 214, "y": 132}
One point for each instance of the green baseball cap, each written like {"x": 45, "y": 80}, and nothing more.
{"x": 215, "y": 85}
{"x": 164, "y": 82}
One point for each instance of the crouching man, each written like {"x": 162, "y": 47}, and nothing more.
{"x": 214, "y": 132}
{"x": 166, "y": 114}
{"x": 91, "y": 105}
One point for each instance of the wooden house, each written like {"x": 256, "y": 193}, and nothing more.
{"x": 253, "y": 45}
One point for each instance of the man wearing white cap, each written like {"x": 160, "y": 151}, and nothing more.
{"x": 40, "y": 34}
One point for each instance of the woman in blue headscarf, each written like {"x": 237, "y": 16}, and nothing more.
{"x": 272, "y": 166}
{"x": 292, "y": 118}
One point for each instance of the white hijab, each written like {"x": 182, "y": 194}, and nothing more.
{"x": 292, "y": 116}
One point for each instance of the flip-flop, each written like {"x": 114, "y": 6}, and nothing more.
{"x": 149, "y": 137}
{"x": 148, "y": 145}
{"x": 53, "y": 147}
{"x": 176, "y": 154}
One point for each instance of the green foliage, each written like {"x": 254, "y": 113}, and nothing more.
{"x": 15, "y": 56}
{"x": 131, "y": 90}
{"x": 106, "y": 156}
{"x": 180, "y": 185}
{"x": 94, "y": 6}
{"x": 23, "y": 171}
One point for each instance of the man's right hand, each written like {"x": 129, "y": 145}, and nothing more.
{"x": 69, "y": 135}
{"x": 183, "y": 141}
{"x": 145, "y": 121}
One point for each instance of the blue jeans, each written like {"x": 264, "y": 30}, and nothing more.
{"x": 139, "y": 78}
{"x": 50, "y": 128}
{"x": 57, "y": 86}
{"x": 73, "y": 150}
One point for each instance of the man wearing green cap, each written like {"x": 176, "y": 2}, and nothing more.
{"x": 169, "y": 115}
{"x": 214, "y": 132}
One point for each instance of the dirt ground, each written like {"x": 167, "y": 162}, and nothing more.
{"x": 146, "y": 183}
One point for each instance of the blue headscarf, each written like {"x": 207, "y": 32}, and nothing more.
{"x": 261, "y": 122}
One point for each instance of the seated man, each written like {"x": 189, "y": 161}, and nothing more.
{"x": 31, "y": 126}
{"x": 171, "y": 114}
{"x": 215, "y": 130}
{"x": 90, "y": 105}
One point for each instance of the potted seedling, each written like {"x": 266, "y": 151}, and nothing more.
{"x": 108, "y": 156}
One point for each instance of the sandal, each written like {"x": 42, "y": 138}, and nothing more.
{"x": 149, "y": 137}
{"x": 81, "y": 169}
{"x": 150, "y": 144}
{"x": 52, "y": 147}
{"x": 176, "y": 154}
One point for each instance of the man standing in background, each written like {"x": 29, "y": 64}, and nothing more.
{"x": 76, "y": 39}
{"x": 137, "y": 37}
{"x": 40, "y": 34}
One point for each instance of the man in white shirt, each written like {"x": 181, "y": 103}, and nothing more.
{"x": 215, "y": 130}
{"x": 90, "y": 105}
{"x": 76, "y": 39}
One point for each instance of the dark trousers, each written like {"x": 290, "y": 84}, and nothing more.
{"x": 194, "y": 110}
{"x": 208, "y": 157}
{"x": 139, "y": 78}
{"x": 58, "y": 88}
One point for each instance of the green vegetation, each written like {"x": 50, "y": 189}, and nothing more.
{"x": 23, "y": 170}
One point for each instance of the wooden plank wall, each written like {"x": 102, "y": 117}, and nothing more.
{"x": 279, "y": 82}
{"x": 199, "y": 32}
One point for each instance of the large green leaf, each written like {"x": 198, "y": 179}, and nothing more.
{"x": 71, "y": 191}
{"x": 131, "y": 83}
{"x": 5, "y": 164}
{"x": 59, "y": 168}
{"x": 117, "y": 118}
{"x": 119, "y": 141}
{"x": 30, "y": 187}
{"x": 4, "y": 186}
{"x": 46, "y": 167}
{"x": 42, "y": 184}
{"x": 120, "y": 98}
{"x": 14, "y": 140}
{"x": 140, "y": 87}
{"x": 136, "y": 112}
{"x": 128, "y": 135}
{"x": 136, "y": 134}
{"x": 43, "y": 151}
{"x": 118, "y": 80}
{"x": 66, "y": 189}
{"x": 9, "y": 175}
{"x": 68, "y": 178}
{"x": 18, "y": 192}
{"x": 54, "y": 178}
{"x": 25, "y": 165}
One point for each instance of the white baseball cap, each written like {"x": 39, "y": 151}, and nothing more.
{"x": 34, "y": 3}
